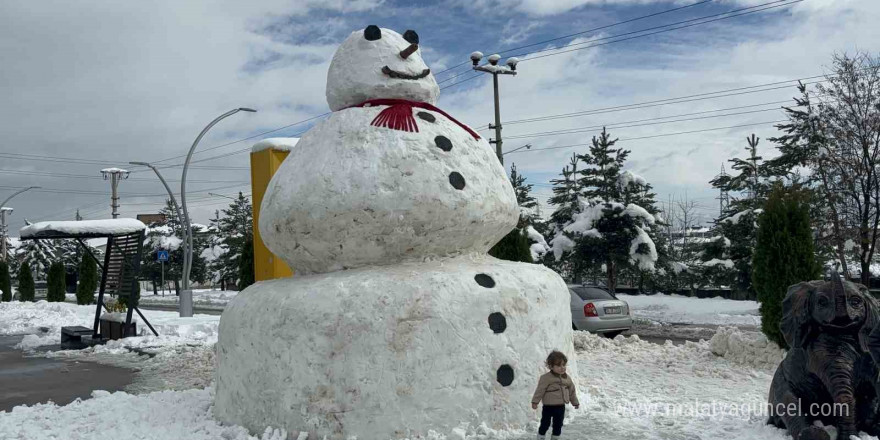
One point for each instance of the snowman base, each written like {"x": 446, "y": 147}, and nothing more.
{"x": 392, "y": 351}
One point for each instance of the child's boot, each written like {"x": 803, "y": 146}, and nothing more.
{"x": 554, "y": 437}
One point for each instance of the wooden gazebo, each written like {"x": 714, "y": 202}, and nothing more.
{"x": 120, "y": 269}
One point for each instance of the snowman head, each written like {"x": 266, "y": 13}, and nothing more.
{"x": 379, "y": 63}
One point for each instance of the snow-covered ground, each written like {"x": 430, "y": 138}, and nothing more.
{"x": 41, "y": 322}
{"x": 678, "y": 309}
{"x": 202, "y": 298}
{"x": 207, "y": 298}
{"x": 629, "y": 388}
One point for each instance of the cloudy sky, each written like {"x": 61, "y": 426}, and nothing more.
{"x": 91, "y": 84}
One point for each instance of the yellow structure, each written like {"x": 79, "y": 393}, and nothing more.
{"x": 264, "y": 164}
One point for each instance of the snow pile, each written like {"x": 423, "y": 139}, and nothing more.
{"x": 203, "y": 298}
{"x": 752, "y": 349}
{"x": 166, "y": 242}
{"x": 678, "y": 267}
{"x": 278, "y": 143}
{"x": 160, "y": 415}
{"x": 734, "y": 219}
{"x": 689, "y": 310}
{"x": 117, "y": 226}
{"x": 645, "y": 261}
{"x": 29, "y": 318}
{"x": 716, "y": 262}
{"x": 628, "y": 178}
{"x": 539, "y": 245}
{"x": 18, "y": 318}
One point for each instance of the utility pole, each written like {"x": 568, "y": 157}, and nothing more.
{"x": 78, "y": 217}
{"x": 753, "y": 148}
{"x": 3, "y": 227}
{"x": 3, "y": 235}
{"x": 724, "y": 197}
{"x": 114, "y": 175}
{"x": 493, "y": 68}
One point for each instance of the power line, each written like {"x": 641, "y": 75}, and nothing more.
{"x": 669, "y": 101}
{"x": 632, "y": 125}
{"x": 245, "y": 139}
{"x": 85, "y": 176}
{"x": 584, "y": 32}
{"x": 654, "y": 136}
{"x": 747, "y": 11}
{"x": 714, "y": 17}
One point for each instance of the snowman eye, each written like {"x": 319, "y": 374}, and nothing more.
{"x": 411, "y": 37}
{"x": 373, "y": 33}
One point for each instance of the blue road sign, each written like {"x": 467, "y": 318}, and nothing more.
{"x": 162, "y": 256}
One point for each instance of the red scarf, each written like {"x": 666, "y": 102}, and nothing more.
{"x": 398, "y": 115}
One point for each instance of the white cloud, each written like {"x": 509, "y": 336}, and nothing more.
{"x": 138, "y": 81}
{"x": 795, "y": 44}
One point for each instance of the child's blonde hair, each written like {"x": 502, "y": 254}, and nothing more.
{"x": 555, "y": 358}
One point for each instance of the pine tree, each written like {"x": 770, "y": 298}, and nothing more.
{"x": 515, "y": 245}
{"x": 55, "y": 285}
{"x": 235, "y": 229}
{"x": 39, "y": 254}
{"x": 246, "y": 268}
{"x": 88, "y": 280}
{"x": 168, "y": 235}
{"x": 738, "y": 223}
{"x": 783, "y": 256}
{"x": 619, "y": 237}
{"x": 5, "y": 283}
{"x": 26, "y": 288}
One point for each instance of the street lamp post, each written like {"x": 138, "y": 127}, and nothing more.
{"x": 3, "y": 228}
{"x": 493, "y": 68}
{"x": 186, "y": 293}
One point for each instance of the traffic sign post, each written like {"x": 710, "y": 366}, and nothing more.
{"x": 162, "y": 256}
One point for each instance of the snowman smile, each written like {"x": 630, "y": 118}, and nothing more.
{"x": 399, "y": 75}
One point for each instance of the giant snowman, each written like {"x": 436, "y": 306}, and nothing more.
{"x": 397, "y": 322}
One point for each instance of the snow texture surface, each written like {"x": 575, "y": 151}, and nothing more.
{"x": 391, "y": 351}
{"x": 351, "y": 194}
{"x": 279, "y": 143}
{"x": 688, "y": 310}
{"x": 117, "y": 226}
{"x": 356, "y": 76}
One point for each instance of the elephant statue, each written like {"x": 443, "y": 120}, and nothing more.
{"x": 830, "y": 373}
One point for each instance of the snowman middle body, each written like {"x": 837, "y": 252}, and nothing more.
{"x": 353, "y": 194}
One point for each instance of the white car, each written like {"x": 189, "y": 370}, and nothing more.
{"x": 596, "y": 310}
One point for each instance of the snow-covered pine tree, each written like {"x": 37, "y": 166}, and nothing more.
{"x": 39, "y": 254}
{"x": 566, "y": 200}
{"x": 234, "y": 227}
{"x": 610, "y": 232}
{"x": 738, "y": 223}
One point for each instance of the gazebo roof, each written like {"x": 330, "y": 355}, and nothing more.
{"x": 82, "y": 228}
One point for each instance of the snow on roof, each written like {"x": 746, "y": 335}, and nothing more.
{"x": 84, "y": 228}
{"x": 283, "y": 144}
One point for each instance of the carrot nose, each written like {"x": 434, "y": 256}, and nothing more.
{"x": 409, "y": 51}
